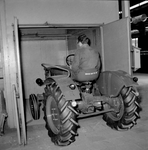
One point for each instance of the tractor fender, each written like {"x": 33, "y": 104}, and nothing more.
{"x": 110, "y": 83}
{"x": 64, "y": 84}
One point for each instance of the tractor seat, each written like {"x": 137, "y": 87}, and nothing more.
{"x": 87, "y": 75}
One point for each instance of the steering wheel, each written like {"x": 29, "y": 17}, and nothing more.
{"x": 69, "y": 59}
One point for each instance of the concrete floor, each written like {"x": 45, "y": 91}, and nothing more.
{"x": 94, "y": 134}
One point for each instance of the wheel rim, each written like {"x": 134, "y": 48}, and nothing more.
{"x": 120, "y": 106}
{"x": 53, "y": 116}
{"x": 34, "y": 108}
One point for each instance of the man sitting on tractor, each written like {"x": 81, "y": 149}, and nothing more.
{"x": 86, "y": 63}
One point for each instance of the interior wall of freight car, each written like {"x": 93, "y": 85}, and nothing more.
{"x": 33, "y": 54}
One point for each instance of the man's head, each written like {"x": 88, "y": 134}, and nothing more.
{"x": 83, "y": 39}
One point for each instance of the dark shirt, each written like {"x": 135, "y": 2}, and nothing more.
{"x": 85, "y": 58}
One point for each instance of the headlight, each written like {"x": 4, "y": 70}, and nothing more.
{"x": 72, "y": 86}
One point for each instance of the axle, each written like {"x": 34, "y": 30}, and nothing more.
{"x": 92, "y": 103}
{"x": 81, "y": 116}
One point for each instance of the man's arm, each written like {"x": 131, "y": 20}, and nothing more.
{"x": 75, "y": 63}
{"x": 99, "y": 64}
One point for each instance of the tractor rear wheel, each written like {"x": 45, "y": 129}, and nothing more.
{"x": 129, "y": 109}
{"x": 59, "y": 116}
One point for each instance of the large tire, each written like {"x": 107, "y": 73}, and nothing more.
{"x": 129, "y": 110}
{"x": 59, "y": 116}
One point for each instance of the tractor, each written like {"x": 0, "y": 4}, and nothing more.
{"x": 112, "y": 94}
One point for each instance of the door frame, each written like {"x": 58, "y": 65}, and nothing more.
{"x": 19, "y": 86}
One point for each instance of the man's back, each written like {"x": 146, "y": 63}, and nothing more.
{"x": 86, "y": 58}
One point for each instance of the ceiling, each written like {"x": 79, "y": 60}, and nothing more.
{"x": 134, "y": 2}
{"x": 140, "y": 10}
{"x": 51, "y": 32}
